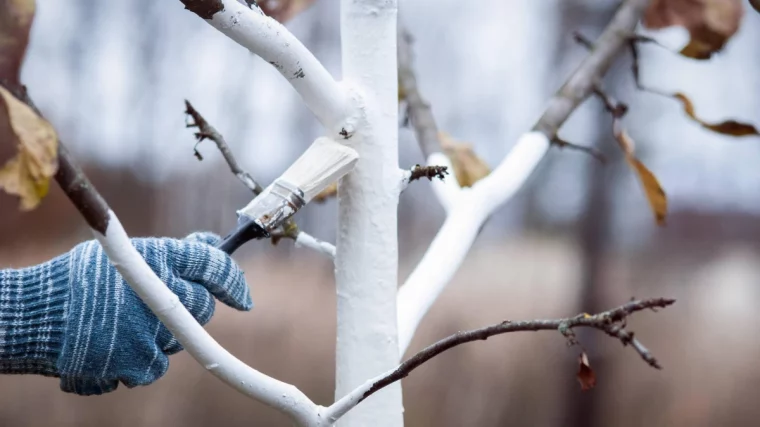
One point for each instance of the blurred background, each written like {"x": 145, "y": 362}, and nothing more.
{"x": 112, "y": 77}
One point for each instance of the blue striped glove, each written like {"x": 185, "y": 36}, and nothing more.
{"x": 75, "y": 318}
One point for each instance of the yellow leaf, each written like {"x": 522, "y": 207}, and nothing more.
{"x": 729, "y": 127}
{"x": 329, "y": 192}
{"x": 468, "y": 167}
{"x": 28, "y": 174}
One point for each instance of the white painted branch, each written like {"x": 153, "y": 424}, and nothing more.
{"x": 438, "y": 265}
{"x": 468, "y": 210}
{"x": 273, "y": 42}
{"x": 308, "y": 241}
{"x": 446, "y": 190}
{"x": 196, "y": 341}
{"x": 509, "y": 176}
{"x": 414, "y": 174}
{"x": 367, "y": 247}
{"x": 353, "y": 398}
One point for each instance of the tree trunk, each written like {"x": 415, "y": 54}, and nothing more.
{"x": 366, "y": 265}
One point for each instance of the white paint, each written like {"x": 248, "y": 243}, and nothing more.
{"x": 406, "y": 176}
{"x": 196, "y": 341}
{"x": 367, "y": 248}
{"x": 273, "y": 42}
{"x": 445, "y": 190}
{"x": 350, "y": 400}
{"x": 467, "y": 210}
{"x": 308, "y": 241}
{"x": 324, "y": 162}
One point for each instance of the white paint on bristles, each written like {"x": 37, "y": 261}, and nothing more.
{"x": 323, "y": 163}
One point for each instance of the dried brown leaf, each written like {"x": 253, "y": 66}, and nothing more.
{"x": 655, "y": 194}
{"x": 585, "y": 375}
{"x": 15, "y": 22}
{"x": 658, "y": 201}
{"x": 468, "y": 167}
{"x": 729, "y": 127}
{"x": 710, "y": 22}
{"x": 28, "y": 174}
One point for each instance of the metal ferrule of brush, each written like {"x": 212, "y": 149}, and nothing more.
{"x": 275, "y": 205}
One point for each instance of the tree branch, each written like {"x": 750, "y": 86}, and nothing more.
{"x": 206, "y": 131}
{"x": 288, "y": 230}
{"x": 418, "y": 110}
{"x": 420, "y": 116}
{"x": 474, "y": 205}
{"x": 580, "y": 85}
{"x": 273, "y": 42}
{"x": 612, "y": 322}
{"x": 418, "y": 172}
{"x": 107, "y": 229}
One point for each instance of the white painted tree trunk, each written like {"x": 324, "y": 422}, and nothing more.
{"x": 366, "y": 266}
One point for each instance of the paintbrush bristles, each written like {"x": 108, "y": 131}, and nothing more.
{"x": 323, "y": 163}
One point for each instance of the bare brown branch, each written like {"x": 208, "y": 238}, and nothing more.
{"x": 418, "y": 110}
{"x": 581, "y": 84}
{"x": 73, "y": 180}
{"x": 611, "y": 322}
{"x": 428, "y": 172}
{"x": 206, "y": 131}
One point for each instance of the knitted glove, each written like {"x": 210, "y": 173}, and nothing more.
{"x": 74, "y": 317}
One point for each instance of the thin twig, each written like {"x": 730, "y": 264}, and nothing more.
{"x": 206, "y": 131}
{"x": 593, "y": 152}
{"x": 635, "y": 69}
{"x": 580, "y": 85}
{"x": 611, "y": 322}
{"x": 616, "y": 109}
{"x": 429, "y": 172}
{"x": 288, "y": 230}
{"x": 583, "y": 40}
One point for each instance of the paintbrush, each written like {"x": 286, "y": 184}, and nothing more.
{"x": 323, "y": 163}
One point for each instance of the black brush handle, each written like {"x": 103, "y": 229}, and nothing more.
{"x": 246, "y": 230}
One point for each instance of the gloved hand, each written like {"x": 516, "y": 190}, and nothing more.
{"x": 74, "y": 317}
